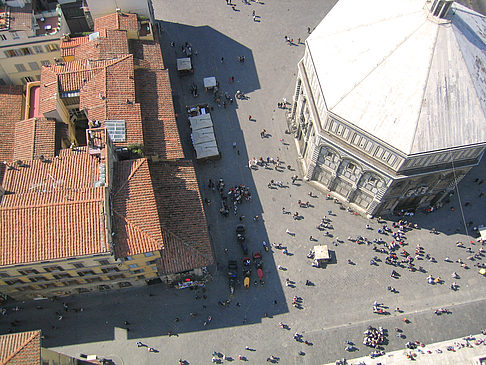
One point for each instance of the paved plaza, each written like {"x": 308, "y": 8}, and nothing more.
{"x": 338, "y": 307}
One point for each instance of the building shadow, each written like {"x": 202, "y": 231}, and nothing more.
{"x": 461, "y": 212}
{"x": 158, "y": 310}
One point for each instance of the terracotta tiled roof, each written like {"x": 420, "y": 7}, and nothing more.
{"x": 182, "y": 217}
{"x": 52, "y": 231}
{"x": 136, "y": 220}
{"x": 52, "y": 210}
{"x": 71, "y": 171}
{"x": 160, "y": 130}
{"x": 10, "y": 113}
{"x": 34, "y": 137}
{"x": 73, "y": 42}
{"x": 130, "y": 113}
{"x": 110, "y": 43}
{"x": 157, "y": 206}
{"x": 76, "y": 75}
{"x": 111, "y": 96}
{"x": 48, "y": 90}
{"x": 21, "y": 18}
{"x": 120, "y": 21}
{"x": 148, "y": 51}
{"x": 23, "y": 348}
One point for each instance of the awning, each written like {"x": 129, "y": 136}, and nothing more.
{"x": 184, "y": 64}
{"x": 203, "y": 138}
{"x": 200, "y": 121}
{"x": 482, "y": 232}
{"x": 321, "y": 252}
{"x": 209, "y": 82}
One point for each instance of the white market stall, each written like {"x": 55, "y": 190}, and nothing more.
{"x": 209, "y": 83}
{"x": 203, "y": 137}
{"x": 321, "y": 254}
{"x": 184, "y": 66}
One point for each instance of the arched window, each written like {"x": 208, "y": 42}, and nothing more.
{"x": 350, "y": 170}
{"x": 328, "y": 157}
{"x": 371, "y": 182}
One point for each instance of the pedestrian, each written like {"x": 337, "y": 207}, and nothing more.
{"x": 298, "y": 41}
{"x": 262, "y": 133}
{"x": 232, "y": 79}
{"x": 253, "y": 13}
{"x": 249, "y": 117}
{"x": 308, "y": 30}
{"x": 222, "y": 59}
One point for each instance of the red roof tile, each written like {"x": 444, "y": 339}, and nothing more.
{"x": 137, "y": 224}
{"x": 182, "y": 217}
{"x": 148, "y": 51}
{"x": 34, "y": 137}
{"x": 157, "y": 206}
{"x": 53, "y": 209}
{"x": 71, "y": 171}
{"x": 23, "y": 348}
{"x": 21, "y": 18}
{"x": 10, "y": 114}
{"x": 73, "y": 42}
{"x": 48, "y": 90}
{"x": 110, "y": 43}
{"x": 119, "y": 21}
{"x": 160, "y": 130}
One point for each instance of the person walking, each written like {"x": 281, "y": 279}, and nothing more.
{"x": 249, "y": 117}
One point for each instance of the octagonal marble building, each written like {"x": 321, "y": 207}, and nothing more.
{"x": 389, "y": 106}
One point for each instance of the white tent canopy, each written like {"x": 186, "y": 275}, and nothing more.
{"x": 184, "y": 64}
{"x": 482, "y": 232}
{"x": 321, "y": 252}
{"x": 203, "y": 138}
{"x": 200, "y": 121}
{"x": 209, "y": 82}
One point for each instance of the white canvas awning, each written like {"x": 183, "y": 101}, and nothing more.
{"x": 203, "y": 135}
{"x": 184, "y": 64}
{"x": 203, "y": 138}
{"x": 206, "y": 150}
{"x": 482, "y": 232}
{"x": 321, "y": 252}
{"x": 200, "y": 121}
{"x": 209, "y": 82}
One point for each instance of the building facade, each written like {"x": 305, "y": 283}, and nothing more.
{"x": 384, "y": 117}
{"x": 29, "y": 39}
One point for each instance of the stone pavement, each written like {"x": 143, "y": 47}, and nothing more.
{"x": 435, "y": 353}
{"x": 339, "y": 306}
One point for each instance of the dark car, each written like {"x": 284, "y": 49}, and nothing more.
{"x": 240, "y": 232}
{"x": 232, "y": 274}
{"x": 241, "y": 237}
